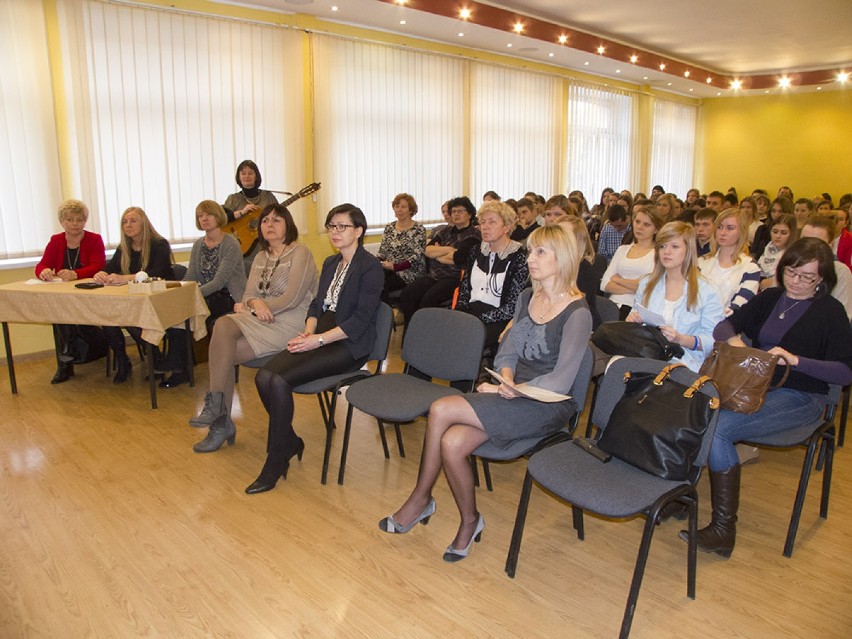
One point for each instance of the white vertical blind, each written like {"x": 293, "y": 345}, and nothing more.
{"x": 386, "y": 121}
{"x": 673, "y": 146}
{"x": 29, "y": 161}
{"x": 515, "y": 131}
{"x": 166, "y": 104}
{"x": 599, "y": 141}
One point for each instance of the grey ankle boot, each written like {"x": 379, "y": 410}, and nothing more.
{"x": 214, "y": 405}
{"x": 222, "y": 430}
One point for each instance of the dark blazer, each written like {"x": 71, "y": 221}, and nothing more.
{"x": 359, "y": 299}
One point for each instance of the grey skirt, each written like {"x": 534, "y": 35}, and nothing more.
{"x": 509, "y": 420}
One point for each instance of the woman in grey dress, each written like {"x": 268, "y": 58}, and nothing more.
{"x": 544, "y": 348}
{"x": 281, "y": 285}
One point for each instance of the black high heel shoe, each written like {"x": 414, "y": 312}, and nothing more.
{"x": 297, "y": 450}
{"x": 276, "y": 466}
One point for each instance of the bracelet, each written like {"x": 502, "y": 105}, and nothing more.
{"x": 697, "y": 343}
{"x": 321, "y": 341}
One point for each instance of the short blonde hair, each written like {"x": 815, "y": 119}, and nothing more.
{"x": 209, "y": 207}
{"x": 72, "y": 207}
{"x": 561, "y": 241}
{"x": 506, "y": 212}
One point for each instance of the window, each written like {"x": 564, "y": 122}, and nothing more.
{"x": 165, "y": 105}
{"x": 673, "y": 146}
{"x": 599, "y": 143}
{"x": 387, "y": 121}
{"x": 29, "y": 162}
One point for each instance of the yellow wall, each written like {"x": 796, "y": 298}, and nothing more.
{"x": 768, "y": 141}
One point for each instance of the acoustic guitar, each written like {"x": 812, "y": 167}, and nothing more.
{"x": 245, "y": 227}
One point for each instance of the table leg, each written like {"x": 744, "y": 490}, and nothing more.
{"x": 57, "y": 344}
{"x": 152, "y": 378}
{"x": 190, "y": 355}
{"x": 10, "y": 361}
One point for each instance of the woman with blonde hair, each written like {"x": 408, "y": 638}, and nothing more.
{"x": 591, "y": 267}
{"x": 544, "y": 348}
{"x": 141, "y": 248}
{"x": 676, "y": 290}
{"x": 666, "y": 207}
{"x": 728, "y": 264}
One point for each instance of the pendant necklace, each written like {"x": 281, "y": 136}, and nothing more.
{"x": 72, "y": 264}
{"x": 784, "y": 312}
{"x": 544, "y": 313}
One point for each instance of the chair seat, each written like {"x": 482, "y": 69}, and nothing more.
{"x": 614, "y": 489}
{"x": 329, "y": 383}
{"x": 517, "y": 449}
{"x": 396, "y": 397}
{"x": 792, "y": 437}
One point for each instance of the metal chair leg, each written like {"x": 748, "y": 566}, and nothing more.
{"x": 382, "y": 435}
{"x": 345, "y": 448}
{"x": 399, "y": 439}
{"x": 638, "y": 573}
{"x": 518, "y": 531}
{"x": 800, "y": 495}
{"x": 578, "y": 521}
{"x": 486, "y": 472}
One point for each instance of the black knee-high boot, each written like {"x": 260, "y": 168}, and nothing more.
{"x": 720, "y": 535}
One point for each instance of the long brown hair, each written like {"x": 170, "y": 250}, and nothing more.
{"x": 148, "y": 236}
{"x": 689, "y": 268}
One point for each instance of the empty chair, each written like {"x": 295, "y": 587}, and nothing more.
{"x": 440, "y": 344}
{"x": 615, "y": 489}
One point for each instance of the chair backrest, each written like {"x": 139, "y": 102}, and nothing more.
{"x": 179, "y": 271}
{"x": 607, "y": 309}
{"x": 580, "y": 387}
{"x": 384, "y": 328}
{"x": 444, "y": 344}
{"x": 612, "y": 389}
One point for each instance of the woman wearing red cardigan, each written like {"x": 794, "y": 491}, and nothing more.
{"x": 71, "y": 255}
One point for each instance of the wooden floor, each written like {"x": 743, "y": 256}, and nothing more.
{"x": 110, "y": 526}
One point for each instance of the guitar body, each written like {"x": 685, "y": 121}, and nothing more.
{"x": 245, "y": 227}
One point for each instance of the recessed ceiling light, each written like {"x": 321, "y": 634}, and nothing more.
{"x": 668, "y": 84}
{"x": 509, "y": 45}
{"x": 518, "y": 28}
{"x": 819, "y": 88}
{"x": 767, "y": 91}
{"x": 402, "y": 22}
{"x": 719, "y": 93}
{"x": 634, "y": 58}
{"x": 709, "y": 80}
{"x": 618, "y": 70}
{"x": 334, "y": 8}
{"x": 461, "y": 35}
{"x": 464, "y": 14}
{"x": 736, "y": 84}
{"x": 662, "y": 66}
{"x": 601, "y": 49}
{"x": 784, "y": 82}
{"x": 686, "y": 74}
{"x": 586, "y": 63}
{"x": 843, "y": 76}
{"x": 400, "y": 1}
{"x": 563, "y": 39}
{"x": 550, "y": 55}
{"x": 691, "y": 90}
{"x": 644, "y": 77}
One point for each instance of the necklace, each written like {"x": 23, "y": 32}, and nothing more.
{"x": 72, "y": 264}
{"x": 784, "y": 311}
{"x": 545, "y": 313}
{"x": 266, "y": 276}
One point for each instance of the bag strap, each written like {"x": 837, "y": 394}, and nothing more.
{"x": 689, "y": 393}
{"x": 783, "y": 378}
{"x": 665, "y": 373}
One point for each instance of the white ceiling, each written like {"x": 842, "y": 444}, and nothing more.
{"x": 732, "y": 37}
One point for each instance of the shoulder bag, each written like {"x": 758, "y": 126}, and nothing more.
{"x": 635, "y": 340}
{"x": 742, "y": 374}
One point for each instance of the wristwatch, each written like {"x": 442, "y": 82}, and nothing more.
{"x": 321, "y": 341}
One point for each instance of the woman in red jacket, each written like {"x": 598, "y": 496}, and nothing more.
{"x": 71, "y": 255}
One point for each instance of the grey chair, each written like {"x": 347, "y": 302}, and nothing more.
{"x": 607, "y": 309}
{"x": 526, "y": 447}
{"x": 820, "y": 433}
{"x": 615, "y": 489}
{"x": 327, "y": 389}
{"x": 440, "y": 344}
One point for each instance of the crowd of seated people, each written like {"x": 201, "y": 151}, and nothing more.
{"x": 715, "y": 267}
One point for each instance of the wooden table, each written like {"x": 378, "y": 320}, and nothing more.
{"x": 63, "y": 303}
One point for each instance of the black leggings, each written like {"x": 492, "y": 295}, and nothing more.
{"x": 276, "y": 380}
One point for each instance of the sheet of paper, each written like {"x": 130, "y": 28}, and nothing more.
{"x": 34, "y": 281}
{"x": 649, "y": 317}
{"x": 530, "y": 392}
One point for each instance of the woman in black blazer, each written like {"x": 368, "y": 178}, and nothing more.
{"x": 339, "y": 334}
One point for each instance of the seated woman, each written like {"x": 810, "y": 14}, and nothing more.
{"x": 676, "y": 290}
{"x": 249, "y": 199}
{"x": 782, "y": 232}
{"x": 809, "y": 330}
{"x": 495, "y": 274}
{"x": 216, "y": 263}
{"x": 270, "y": 313}
{"x": 141, "y": 248}
{"x": 402, "y": 251}
{"x": 632, "y": 262}
{"x": 447, "y": 251}
{"x": 71, "y": 255}
{"x": 780, "y": 206}
{"x": 592, "y": 265}
{"x": 543, "y": 348}
{"x": 557, "y": 206}
{"x": 339, "y": 334}
{"x": 728, "y": 264}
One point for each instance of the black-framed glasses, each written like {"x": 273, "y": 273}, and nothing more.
{"x": 805, "y": 278}
{"x": 338, "y": 227}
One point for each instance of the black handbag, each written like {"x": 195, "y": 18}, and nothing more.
{"x": 635, "y": 340}
{"x": 658, "y": 424}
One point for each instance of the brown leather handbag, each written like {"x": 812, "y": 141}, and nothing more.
{"x": 742, "y": 374}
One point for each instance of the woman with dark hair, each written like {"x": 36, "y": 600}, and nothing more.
{"x": 401, "y": 252}
{"x": 271, "y": 312}
{"x": 250, "y": 197}
{"x": 447, "y": 251}
{"x": 809, "y": 330}
{"x": 141, "y": 248}
{"x": 338, "y": 336}
{"x": 216, "y": 263}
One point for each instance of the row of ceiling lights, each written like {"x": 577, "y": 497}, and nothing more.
{"x": 783, "y": 83}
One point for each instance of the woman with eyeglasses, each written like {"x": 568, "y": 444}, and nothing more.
{"x": 803, "y": 324}
{"x": 338, "y": 336}
{"x": 281, "y": 284}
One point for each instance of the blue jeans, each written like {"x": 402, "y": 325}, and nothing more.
{"x": 784, "y": 409}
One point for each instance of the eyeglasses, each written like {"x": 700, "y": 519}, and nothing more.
{"x": 805, "y": 278}
{"x": 340, "y": 228}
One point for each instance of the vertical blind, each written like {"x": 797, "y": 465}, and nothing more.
{"x": 165, "y": 105}
{"x": 599, "y": 140}
{"x": 673, "y": 146}
{"x": 515, "y": 130}
{"x": 387, "y": 121}
{"x": 29, "y": 158}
